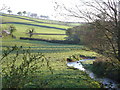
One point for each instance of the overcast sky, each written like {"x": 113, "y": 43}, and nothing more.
{"x": 35, "y": 6}
{"x": 41, "y": 7}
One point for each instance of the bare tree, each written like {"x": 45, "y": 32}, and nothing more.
{"x": 4, "y": 7}
{"x": 118, "y": 28}
{"x": 104, "y": 16}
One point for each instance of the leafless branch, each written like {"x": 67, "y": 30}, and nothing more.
{"x": 4, "y": 8}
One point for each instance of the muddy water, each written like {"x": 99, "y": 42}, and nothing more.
{"x": 108, "y": 83}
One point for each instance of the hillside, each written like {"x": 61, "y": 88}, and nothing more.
{"x": 23, "y": 23}
{"x": 53, "y": 58}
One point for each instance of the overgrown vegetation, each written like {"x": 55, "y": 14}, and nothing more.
{"x": 102, "y": 42}
{"x": 107, "y": 67}
{"x": 104, "y": 67}
{"x": 18, "y": 68}
{"x": 101, "y": 33}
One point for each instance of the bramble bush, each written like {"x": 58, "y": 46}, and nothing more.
{"x": 19, "y": 64}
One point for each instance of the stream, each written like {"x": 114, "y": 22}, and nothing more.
{"x": 108, "y": 83}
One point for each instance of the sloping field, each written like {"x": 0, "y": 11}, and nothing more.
{"x": 26, "y": 20}
{"x": 69, "y": 24}
{"x": 22, "y": 25}
{"x": 62, "y": 76}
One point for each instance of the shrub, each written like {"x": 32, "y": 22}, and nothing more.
{"x": 107, "y": 67}
{"x": 18, "y": 65}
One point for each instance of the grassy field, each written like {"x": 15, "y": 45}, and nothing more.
{"x": 62, "y": 76}
{"x": 9, "y": 18}
{"x": 56, "y": 54}
{"x": 40, "y": 20}
{"x": 22, "y": 29}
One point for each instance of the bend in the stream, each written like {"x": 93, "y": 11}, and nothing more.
{"x": 108, "y": 83}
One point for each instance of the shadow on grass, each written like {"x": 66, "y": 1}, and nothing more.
{"x": 51, "y": 41}
{"x": 33, "y": 25}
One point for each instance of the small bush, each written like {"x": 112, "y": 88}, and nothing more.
{"x": 19, "y": 64}
{"x": 107, "y": 67}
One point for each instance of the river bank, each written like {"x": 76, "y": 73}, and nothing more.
{"x": 108, "y": 83}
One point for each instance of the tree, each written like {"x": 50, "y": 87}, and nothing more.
{"x": 9, "y": 11}
{"x": 24, "y": 12}
{"x": 4, "y": 7}
{"x": 30, "y": 32}
{"x": 73, "y": 35}
{"x": 19, "y": 13}
{"x": 104, "y": 16}
{"x": 33, "y": 15}
{"x": 79, "y": 33}
{"x": 12, "y": 29}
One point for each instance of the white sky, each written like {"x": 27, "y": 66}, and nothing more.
{"x": 35, "y": 6}
{"x": 41, "y": 7}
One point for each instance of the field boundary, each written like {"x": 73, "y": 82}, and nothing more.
{"x": 50, "y": 41}
{"x": 32, "y": 25}
{"x": 44, "y": 34}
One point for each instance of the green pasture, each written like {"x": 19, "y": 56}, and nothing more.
{"x": 53, "y": 50}
{"x": 56, "y": 54}
{"x": 62, "y": 76}
{"x": 41, "y": 45}
{"x": 22, "y": 29}
{"x": 41, "y": 20}
{"x": 12, "y": 19}
{"x": 45, "y": 22}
